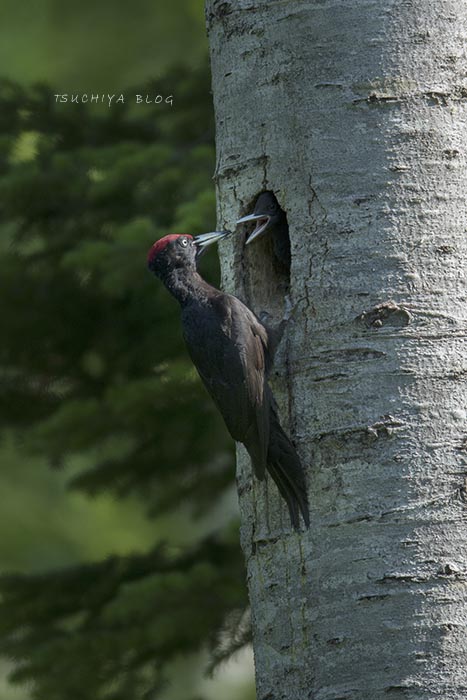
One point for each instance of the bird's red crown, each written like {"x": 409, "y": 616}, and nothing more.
{"x": 160, "y": 245}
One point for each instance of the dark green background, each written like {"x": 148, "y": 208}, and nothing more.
{"x": 98, "y": 46}
{"x": 109, "y": 443}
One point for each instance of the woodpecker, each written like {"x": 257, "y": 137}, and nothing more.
{"x": 233, "y": 352}
{"x": 269, "y": 217}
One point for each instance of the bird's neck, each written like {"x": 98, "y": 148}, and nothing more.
{"x": 185, "y": 284}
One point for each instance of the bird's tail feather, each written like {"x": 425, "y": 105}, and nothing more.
{"x": 286, "y": 493}
{"x": 285, "y": 468}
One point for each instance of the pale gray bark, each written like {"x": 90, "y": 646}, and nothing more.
{"x": 355, "y": 113}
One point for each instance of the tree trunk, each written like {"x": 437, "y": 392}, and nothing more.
{"x": 355, "y": 114}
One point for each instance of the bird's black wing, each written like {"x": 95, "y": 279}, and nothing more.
{"x": 228, "y": 346}
{"x": 252, "y": 340}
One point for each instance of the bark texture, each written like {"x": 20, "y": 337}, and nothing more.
{"x": 354, "y": 112}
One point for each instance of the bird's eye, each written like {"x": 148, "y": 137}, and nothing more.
{"x": 184, "y": 242}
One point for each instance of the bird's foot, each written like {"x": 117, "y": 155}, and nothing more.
{"x": 265, "y": 318}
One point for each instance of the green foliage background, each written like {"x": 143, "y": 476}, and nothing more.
{"x": 120, "y": 552}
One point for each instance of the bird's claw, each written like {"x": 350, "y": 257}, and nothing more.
{"x": 264, "y": 317}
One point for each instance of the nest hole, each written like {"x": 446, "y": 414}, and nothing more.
{"x": 266, "y": 260}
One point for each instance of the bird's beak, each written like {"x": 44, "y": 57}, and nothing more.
{"x": 204, "y": 240}
{"x": 263, "y": 223}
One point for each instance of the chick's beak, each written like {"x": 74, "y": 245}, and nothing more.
{"x": 204, "y": 240}
{"x": 262, "y": 224}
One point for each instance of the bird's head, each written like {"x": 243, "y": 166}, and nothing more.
{"x": 266, "y": 214}
{"x": 180, "y": 250}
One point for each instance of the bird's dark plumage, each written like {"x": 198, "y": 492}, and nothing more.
{"x": 231, "y": 350}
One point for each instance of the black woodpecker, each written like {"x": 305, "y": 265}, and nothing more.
{"x": 233, "y": 352}
{"x": 269, "y": 217}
